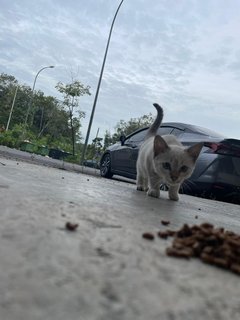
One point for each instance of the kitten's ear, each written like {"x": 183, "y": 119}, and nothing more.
{"x": 159, "y": 145}
{"x": 195, "y": 150}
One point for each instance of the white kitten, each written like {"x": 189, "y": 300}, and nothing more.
{"x": 164, "y": 160}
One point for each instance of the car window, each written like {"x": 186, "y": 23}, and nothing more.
{"x": 177, "y": 132}
{"x": 136, "y": 138}
{"x": 164, "y": 130}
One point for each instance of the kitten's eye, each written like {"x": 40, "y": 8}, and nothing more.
{"x": 166, "y": 166}
{"x": 184, "y": 169}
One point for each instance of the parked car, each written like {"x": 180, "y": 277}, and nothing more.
{"x": 217, "y": 171}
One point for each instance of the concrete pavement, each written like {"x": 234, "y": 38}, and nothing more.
{"x": 105, "y": 270}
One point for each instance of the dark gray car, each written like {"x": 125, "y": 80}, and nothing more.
{"x": 217, "y": 171}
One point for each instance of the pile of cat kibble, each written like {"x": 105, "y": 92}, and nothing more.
{"x": 212, "y": 245}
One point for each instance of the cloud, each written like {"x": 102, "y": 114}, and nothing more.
{"x": 182, "y": 54}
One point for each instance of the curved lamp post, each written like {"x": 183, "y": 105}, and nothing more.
{"x": 10, "y": 114}
{"x": 98, "y": 86}
{"x": 31, "y": 100}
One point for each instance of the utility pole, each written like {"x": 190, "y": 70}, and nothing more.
{"x": 98, "y": 86}
{"x": 13, "y": 103}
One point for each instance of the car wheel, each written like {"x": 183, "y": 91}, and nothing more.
{"x": 105, "y": 166}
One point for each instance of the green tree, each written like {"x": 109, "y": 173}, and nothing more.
{"x": 94, "y": 150}
{"x": 126, "y": 127}
{"x": 8, "y": 85}
{"x": 49, "y": 124}
{"x": 107, "y": 141}
{"x": 71, "y": 94}
{"x": 21, "y": 105}
{"x": 48, "y": 112}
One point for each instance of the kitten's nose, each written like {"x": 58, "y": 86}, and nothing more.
{"x": 174, "y": 178}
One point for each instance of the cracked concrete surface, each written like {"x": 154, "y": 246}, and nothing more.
{"x": 104, "y": 270}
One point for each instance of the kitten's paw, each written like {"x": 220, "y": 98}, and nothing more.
{"x": 173, "y": 197}
{"x": 173, "y": 193}
{"x": 153, "y": 193}
{"x": 142, "y": 188}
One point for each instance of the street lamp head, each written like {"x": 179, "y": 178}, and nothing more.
{"x": 30, "y": 103}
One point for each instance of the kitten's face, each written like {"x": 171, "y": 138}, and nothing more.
{"x": 174, "y": 164}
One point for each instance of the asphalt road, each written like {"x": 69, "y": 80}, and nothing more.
{"x": 104, "y": 270}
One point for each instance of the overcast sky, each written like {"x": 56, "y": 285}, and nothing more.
{"x": 183, "y": 54}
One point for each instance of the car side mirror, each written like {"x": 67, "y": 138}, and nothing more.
{"x": 122, "y": 139}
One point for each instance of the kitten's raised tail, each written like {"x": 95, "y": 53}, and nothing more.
{"x": 152, "y": 131}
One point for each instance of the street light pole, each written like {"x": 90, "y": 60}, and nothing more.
{"x": 10, "y": 114}
{"x": 31, "y": 100}
{"x": 98, "y": 86}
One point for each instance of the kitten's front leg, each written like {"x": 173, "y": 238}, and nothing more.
{"x": 141, "y": 183}
{"x": 154, "y": 187}
{"x": 173, "y": 192}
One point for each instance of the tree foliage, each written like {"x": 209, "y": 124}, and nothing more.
{"x": 51, "y": 121}
{"x": 55, "y": 123}
{"x": 71, "y": 94}
{"x": 127, "y": 127}
{"x": 124, "y": 127}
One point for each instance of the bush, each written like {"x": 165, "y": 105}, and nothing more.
{"x": 8, "y": 139}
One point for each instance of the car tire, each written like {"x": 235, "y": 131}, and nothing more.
{"x": 105, "y": 166}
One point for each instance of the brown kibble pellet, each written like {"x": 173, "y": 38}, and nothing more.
{"x": 163, "y": 234}
{"x": 184, "y": 232}
{"x": 197, "y": 248}
{"x": 181, "y": 253}
{"x": 208, "y": 250}
{"x": 233, "y": 242}
{"x": 212, "y": 245}
{"x": 209, "y": 258}
{"x": 207, "y": 225}
{"x": 178, "y": 245}
{"x": 71, "y": 226}
{"x": 165, "y": 222}
{"x": 171, "y": 233}
{"x": 229, "y": 233}
{"x": 221, "y": 262}
{"x": 235, "y": 268}
{"x": 148, "y": 236}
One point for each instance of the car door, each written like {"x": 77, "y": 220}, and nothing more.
{"x": 125, "y": 157}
